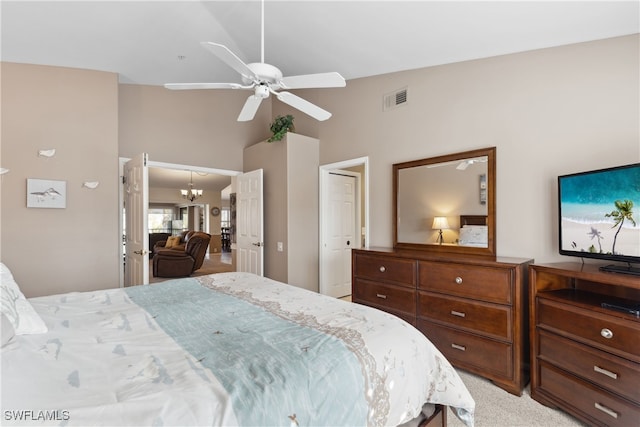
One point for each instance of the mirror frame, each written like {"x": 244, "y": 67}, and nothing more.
{"x": 490, "y": 250}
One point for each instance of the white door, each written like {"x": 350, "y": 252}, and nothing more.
{"x": 341, "y": 218}
{"x": 136, "y": 200}
{"x": 249, "y": 222}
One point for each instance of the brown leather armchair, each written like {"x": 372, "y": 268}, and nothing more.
{"x": 182, "y": 263}
{"x": 184, "y": 236}
{"x": 154, "y": 238}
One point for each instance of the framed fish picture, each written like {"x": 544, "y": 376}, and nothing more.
{"x": 45, "y": 193}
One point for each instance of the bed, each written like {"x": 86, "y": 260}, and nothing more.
{"x": 223, "y": 349}
{"x": 473, "y": 231}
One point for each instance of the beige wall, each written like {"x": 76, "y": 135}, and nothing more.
{"x": 75, "y": 112}
{"x": 195, "y": 128}
{"x": 548, "y": 112}
{"x": 92, "y": 120}
{"x": 303, "y": 210}
{"x": 290, "y": 175}
{"x": 272, "y": 159}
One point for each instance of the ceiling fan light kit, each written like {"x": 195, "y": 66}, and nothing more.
{"x": 265, "y": 79}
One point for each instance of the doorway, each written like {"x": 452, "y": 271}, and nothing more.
{"x": 144, "y": 213}
{"x": 335, "y": 252}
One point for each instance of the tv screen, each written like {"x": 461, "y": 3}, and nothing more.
{"x": 600, "y": 214}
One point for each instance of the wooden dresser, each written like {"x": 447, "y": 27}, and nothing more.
{"x": 474, "y": 309}
{"x": 585, "y": 359}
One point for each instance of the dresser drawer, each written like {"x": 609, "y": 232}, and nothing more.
{"x": 483, "y": 283}
{"x": 600, "y": 406}
{"x": 613, "y": 373}
{"x": 484, "y": 318}
{"x": 394, "y": 270}
{"x": 387, "y": 296}
{"x": 469, "y": 351}
{"x": 609, "y": 333}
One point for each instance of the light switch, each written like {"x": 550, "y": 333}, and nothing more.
{"x": 280, "y": 247}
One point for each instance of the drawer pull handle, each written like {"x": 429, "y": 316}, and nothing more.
{"x": 459, "y": 280}
{"x": 457, "y": 313}
{"x": 606, "y": 410}
{"x": 458, "y": 347}
{"x": 606, "y": 372}
{"x": 606, "y": 333}
{"x": 381, "y": 296}
{"x": 382, "y": 269}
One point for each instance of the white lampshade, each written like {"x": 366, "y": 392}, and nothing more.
{"x": 440, "y": 222}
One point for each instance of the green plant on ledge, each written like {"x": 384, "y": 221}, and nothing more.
{"x": 280, "y": 126}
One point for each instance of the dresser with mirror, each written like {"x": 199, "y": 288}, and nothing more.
{"x": 442, "y": 274}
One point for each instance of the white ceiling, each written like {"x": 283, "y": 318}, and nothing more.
{"x": 143, "y": 40}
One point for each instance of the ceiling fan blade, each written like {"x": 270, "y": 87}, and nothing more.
{"x": 313, "y": 81}
{"x": 463, "y": 165}
{"x": 187, "y": 86}
{"x": 230, "y": 59}
{"x": 250, "y": 107}
{"x": 303, "y": 105}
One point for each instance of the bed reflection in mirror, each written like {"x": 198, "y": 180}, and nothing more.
{"x": 446, "y": 203}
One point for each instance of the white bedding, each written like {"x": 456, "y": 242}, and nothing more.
{"x": 474, "y": 235}
{"x": 106, "y": 360}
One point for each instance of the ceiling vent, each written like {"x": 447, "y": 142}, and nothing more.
{"x": 395, "y": 99}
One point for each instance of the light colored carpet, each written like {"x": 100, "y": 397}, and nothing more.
{"x": 497, "y": 408}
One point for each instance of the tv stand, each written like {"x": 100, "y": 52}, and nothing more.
{"x": 585, "y": 352}
{"x": 635, "y": 271}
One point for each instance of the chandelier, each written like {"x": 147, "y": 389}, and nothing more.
{"x": 191, "y": 194}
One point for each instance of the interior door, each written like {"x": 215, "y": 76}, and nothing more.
{"x": 340, "y": 213}
{"x": 136, "y": 201}
{"x": 249, "y": 221}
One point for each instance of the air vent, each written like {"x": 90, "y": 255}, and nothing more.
{"x": 395, "y": 99}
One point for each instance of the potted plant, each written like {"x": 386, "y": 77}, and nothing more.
{"x": 280, "y": 126}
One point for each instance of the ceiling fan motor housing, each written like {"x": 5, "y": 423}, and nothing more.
{"x": 266, "y": 73}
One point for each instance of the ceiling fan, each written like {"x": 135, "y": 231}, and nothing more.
{"x": 265, "y": 79}
{"x": 466, "y": 163}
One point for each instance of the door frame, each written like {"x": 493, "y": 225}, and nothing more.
{"x": 155, "y": 164}
{"x": 325, "y": 169}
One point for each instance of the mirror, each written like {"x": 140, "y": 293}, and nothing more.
{"x": 446, "y": 203}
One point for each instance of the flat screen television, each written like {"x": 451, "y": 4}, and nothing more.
{"x": 599, "y": 216}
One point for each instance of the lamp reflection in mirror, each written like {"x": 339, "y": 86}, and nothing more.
{"x": 440, "y": 223}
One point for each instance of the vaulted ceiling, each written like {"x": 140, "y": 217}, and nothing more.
{"x": 157, "y": 42}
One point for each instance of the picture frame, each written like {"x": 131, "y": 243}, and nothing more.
{"x": 46, "y": 193}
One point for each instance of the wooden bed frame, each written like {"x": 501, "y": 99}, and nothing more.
{"x": 437, "y": 419}
{"x": 473, "y": 220}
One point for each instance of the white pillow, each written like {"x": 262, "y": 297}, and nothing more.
{"x": 7, "y": 329}
{"x": 16, "y": 308}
